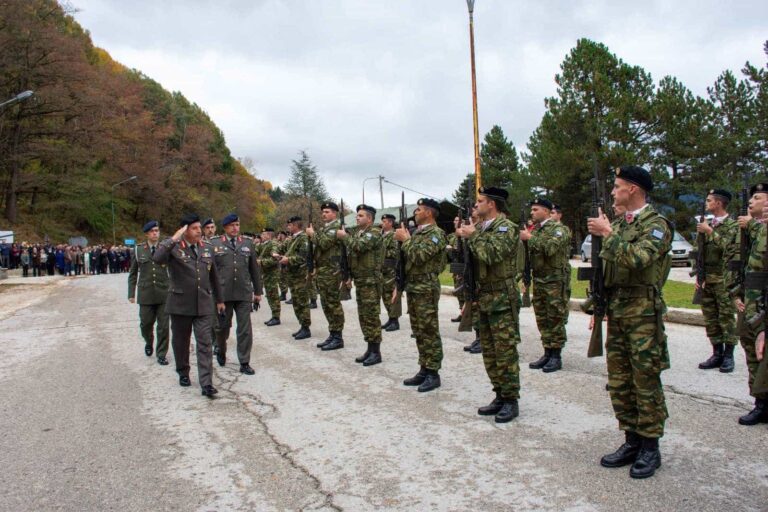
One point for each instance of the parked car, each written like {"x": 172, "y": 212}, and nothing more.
{"x": 681, "y": 249}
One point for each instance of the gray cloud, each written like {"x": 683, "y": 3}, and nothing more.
{"x": 383, "y": 87}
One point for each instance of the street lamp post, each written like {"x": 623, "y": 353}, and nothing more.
{"x": 22, "y": 96}
{"x": 381, "y": 188}
{"x": 114, "y": 235}
{"x": 478, "y": 180}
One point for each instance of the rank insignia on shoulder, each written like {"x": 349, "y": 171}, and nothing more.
{"x": 434, "y": 239}
{"x": 503, "y": 229}
{"x": 657, "y": 234}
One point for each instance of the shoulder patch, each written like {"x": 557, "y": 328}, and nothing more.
{"x": 503, "y": 229}
{"x": 558, "y": 233}
{"x": 435, "y": 239}
{"x": 657, "y": 234}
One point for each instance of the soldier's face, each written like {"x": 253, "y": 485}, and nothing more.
{"x": 266, "y": 236}
{"x": 194, "y": 232}
{"x": 555, "y": 215}
{"x": 482, "y": 206}
{"x": 622, "y": 191}
{"x": 539, "y": 213}
{"x": 387, "y": 224}
{"x": 328, "y": 214}
{"x": 153, "y": 235}
{"x": 232, "y": 229}
{"x": 756, "y": 204}
{"x": 363, "y": 219}
{"x": 210, "y": 230}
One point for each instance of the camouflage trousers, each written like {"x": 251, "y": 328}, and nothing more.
{"x": 635, "y": 361}
{"x": 312, "y": 288}
{"x": 719, "y": 314}
{"x": 422, "y": 310}
{"x": 283, "y": 281}
{"x": 458, "y": 281}
{"x": 551, "y": 309}
{"x": 747, "y": 338}
{"x": 300, "y": 297}
{"x": 499, "y": 336}
{"x": 154, "y": 316}
{"x": 388, "y": 285}
{"x": 328, "y": 282}
{"x": 368, "y": 295}
{"x": 272, "y": 291}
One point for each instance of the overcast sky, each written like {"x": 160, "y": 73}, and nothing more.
{"x": 372, "y": 87}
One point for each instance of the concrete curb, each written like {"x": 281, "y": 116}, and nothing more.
{"x": 674, "y": 315}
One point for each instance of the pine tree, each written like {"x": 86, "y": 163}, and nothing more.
{"x": 304, "y": 180}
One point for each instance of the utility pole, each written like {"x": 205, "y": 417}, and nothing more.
{"x": 381, "y": 190}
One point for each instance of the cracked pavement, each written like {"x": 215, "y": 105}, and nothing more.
{"x": 90, "y": 423}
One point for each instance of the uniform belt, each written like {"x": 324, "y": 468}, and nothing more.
{"x": 422, "y": 277}
{"x": 364, "y": 274}
{"x": 633, "y": 292}
{"x": 495, "y": 286}
{"x": 390, "y": 263}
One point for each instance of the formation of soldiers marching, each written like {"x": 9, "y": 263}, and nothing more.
{"x": 201, "y": 280}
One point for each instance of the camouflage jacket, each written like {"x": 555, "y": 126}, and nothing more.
{"x": 719, "y": 248}
{"x": 328, "y": 247}
{"x": 495, "y": 255}
{"x": 265, "y": 250}
{"x": 424, "y": 259}
{"x": 296, "y": 250}
{"x": 549, "y": 247}
{"x": 634, "y": 255}
{"x": 389, "y": 252}
{"x": 364, "y": 247}
{"x": 757, "y": 237}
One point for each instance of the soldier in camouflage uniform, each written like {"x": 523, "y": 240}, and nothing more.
{"x": 364, "y": 248}
{"x": 424, "y": 253}
{"x": 755, "y": 225}
{"x": 494, "y": 244}
{"x": 152, "y": 281}
{"x": 389, "y": 273}
{"x": 548, "y": 246}
{"x": 328, "y": 274}
{"x": 458, "y": 279}
{"x": 295, "y": 261}
{"x": 720, "y": 246}
{"x": 281, "y": 243}
{"x": 637, "y": 259}
{"x": 271, "y": 274}
{"x": 557, "y": 214}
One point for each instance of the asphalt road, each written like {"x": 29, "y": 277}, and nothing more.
{"x": 90, "y": 423}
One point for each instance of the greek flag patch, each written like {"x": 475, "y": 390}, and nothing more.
{"x": 434, "y": 239}
{"x": 558, "y": 233}
{"x": 503, "y": 229}
{"x": 657, "y": 234}
{"x": 368, "y": 235}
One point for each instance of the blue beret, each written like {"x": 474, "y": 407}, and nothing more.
{"x": 636, "y": 175}
{"x": 150, "y": 225}
{"x": 229, "y": 219}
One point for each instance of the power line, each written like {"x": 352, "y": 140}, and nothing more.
{"x": 414, "y": 191}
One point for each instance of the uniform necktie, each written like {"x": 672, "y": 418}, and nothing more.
{"x": 153, "y": 250}
{"x": 232, "y": 242}
{"x": 194, "y": 250}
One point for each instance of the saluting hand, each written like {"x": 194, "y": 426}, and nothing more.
{"x": 178, "y": 234}
{"x": 402, "y": 234}
{"x": 600, "y": 225}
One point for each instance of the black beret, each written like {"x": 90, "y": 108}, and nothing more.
{"x": 229, "y": 219}
{"x": 557, "y": 208}
{"x": 369, "y": 209}
{"x": 542, "y": 201}
{"x": 149, "y": 225}
{"x": 330, "y": 205}
{"x": 759, "y": 188}
{"x": 268, "y": 230}
{"x": 721, "y": 193}
{"x": 636, "y": 175}
{"x": 208, "y": 221}
{"x": 293, "y": 219}
{"x": 188, "y": 219}
{"x": 425, "y": 201}
{"x": 388, "y": 216}
{"x": 494, "y": 193}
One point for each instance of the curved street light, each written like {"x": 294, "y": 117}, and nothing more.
{"x": 22, "y": 96}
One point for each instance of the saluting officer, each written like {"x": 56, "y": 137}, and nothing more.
{"x": 270, "y": 269}
{"x": 424, "y": 253}
{"x": 295, "y": 260}
{"x": 721, "y": 244}
{"x": 637, "y": 259}
{"x": 328, "y": 273}
{"x": 152, "y": 280}
{"x": 193, "y": 283}
{"x": 548, "y": 246}
{"x": 240, "y": 276}
{"x": 389, "y": 273}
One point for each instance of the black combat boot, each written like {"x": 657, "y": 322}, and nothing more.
{"x": 648, "y": 460}
{"x": 221, "y": 358}
{"x": 336, "y": 343}
{"x": 364, "y": 356}
{"x": 297, "y": 332}
{"x": 282, "y": 297}
{"x": 728, "y": 363}
{"x": 375, "y": 356}
{"x": 540, "y": 362}
{"x": 313, "y": 304}
{"x": 457, "y": 319}
{"x": 394, "y": 325}
{"x": 493, "y": 408}
{"x": 303, "y": 333}
{"x": 715, "y": 360}
{"x": 326, "y": 341}
{"x": 431, "y": 381}
{"x": 757, "y": 415}
{"x": 387, "y": 324}
{"x": 555, "y": 362}
{"x": 289, "y": 301}
{"x": 148, "y": 349}
{"x": 417, "y": 379}
{"x": 509, "y": 411}
{"x": 272, "y": 321}
{"x": 626, "y": 454}
{"x": 476, "y": 347}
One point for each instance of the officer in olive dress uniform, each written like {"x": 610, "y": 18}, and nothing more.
{"x": 240, "y": 277}
{"x": 152, "y": 281}
{"x": 194, "y": 286}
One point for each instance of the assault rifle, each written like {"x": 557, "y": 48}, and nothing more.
{"x": 527, "y": 265}
{"x": 700, "y": 272}
{"x": 468, "y": 273}
{"x": 344, "y": 263}
{"x": 596, "y": 302}
{"x": 400, "y": 274}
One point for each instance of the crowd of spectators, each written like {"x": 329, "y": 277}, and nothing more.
{"x": 63, "y": 259}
